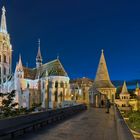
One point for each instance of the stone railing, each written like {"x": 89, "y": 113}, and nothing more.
{"x": 10, "y": 127}
{"x": 123, "y": 131}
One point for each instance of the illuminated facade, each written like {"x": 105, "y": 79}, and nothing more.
{"x": 5, "y": 50}
{"x": 124, "y": 97}
{"x": 80, "y": 89}
{"x": 46, "y": 84}
{"x": 102, "y": 86}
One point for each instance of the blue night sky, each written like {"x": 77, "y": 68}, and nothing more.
{"x": 77, "y": 30}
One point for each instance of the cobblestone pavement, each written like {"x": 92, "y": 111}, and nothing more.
{"x": 93, "y": 124}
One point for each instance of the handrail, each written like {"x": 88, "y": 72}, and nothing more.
{"x": 123, "y": 131}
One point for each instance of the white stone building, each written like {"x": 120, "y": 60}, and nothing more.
{"x": 46, "y": 84}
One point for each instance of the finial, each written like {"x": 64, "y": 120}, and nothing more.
{"x": 19, "y": 56}
{"x": 39, "y": 42}
{"x": 58, "y": 56}
{"x": 102, "y": 50}
{"x": 3, "y": 10}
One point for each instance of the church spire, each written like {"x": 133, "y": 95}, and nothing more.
{"x": 3, "y": 27}
{"x": 137, "y": 86}
{"x": 38, "y": 57}
{"x": 102, "y": 71}
{"x": 124, "y": 88}
{"x": 20, "y": 62}
{"x": 19, "y": 66}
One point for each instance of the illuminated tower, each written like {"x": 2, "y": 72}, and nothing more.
{"x": 5, "y": 50}
{"x": 38, "y": 57}
{"x": 124, "y": 95}
{"x": 102, "y": 80}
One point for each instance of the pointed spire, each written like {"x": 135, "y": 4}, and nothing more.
{"x": 38, "y": 57}
{"x": 39, "y": 52}
{"x": 20, "y": 62}
{"x": 137, "y": 86}
{"x": 19, "y": 65}
{"x": 3, "y": 27}
{"x": 58, "y": 56}
{"x": 102, "y": 71}
{"x": 124, "y": 88}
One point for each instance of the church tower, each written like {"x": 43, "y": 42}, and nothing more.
{"x": 5, "y": 50}
{"x": 38, "y": 57}
{"x": 102, "y": 81}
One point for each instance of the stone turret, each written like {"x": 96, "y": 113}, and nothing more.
{"x": 124, "y": 95}
{"x": 102, "y": 81}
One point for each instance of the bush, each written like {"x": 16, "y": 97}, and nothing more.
{"x": 134, "y": 120}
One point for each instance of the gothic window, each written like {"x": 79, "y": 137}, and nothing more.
{"x": 0, "y": 70}
{"x": 55, "y": 95}
{"x": 4, "y": 57}
{"x": 56, "y": 84}
{"x": 0, "y": 58}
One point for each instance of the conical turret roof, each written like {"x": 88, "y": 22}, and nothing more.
{"x": 124, "y": 89}
{"x": 102, "y": 79}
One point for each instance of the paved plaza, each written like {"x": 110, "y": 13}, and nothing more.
{"x": 93, "y": 124}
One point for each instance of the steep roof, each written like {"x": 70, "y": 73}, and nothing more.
{"x": 52, "y": 68}
{"x": 102, "y": 79}
{"x": 124, "y": 89}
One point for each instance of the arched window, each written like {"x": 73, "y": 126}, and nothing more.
{"x": 4, "y": 57}
{"x": 56, "y": 84}
{"x": 0, "y": 58}
{"x": 56, "y": 96}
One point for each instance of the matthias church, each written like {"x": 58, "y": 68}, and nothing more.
{"x": 46, "y": 84}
